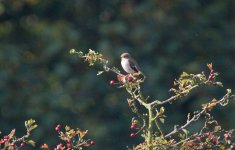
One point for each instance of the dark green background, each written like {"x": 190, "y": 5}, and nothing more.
{"x": 39, "y": 79}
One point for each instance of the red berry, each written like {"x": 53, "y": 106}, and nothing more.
{"x": 198, "y": 138}
{"x": 132, "y": 135}
{"x": 120, "y": 78}
{"x": 227, "y": 136}
{"x": 69, "y": 145}
{"x": 57, "y": 128}
{"x": 129, "y": 78}
{"x": 208, "y": 133}
{"x": 133, "y": 126}
{"x": 215, "y": 140}
{"x": 21, "y": 145}
{"x": 112, "y": 82}
{"x": 5, "y": 140}
{"x": 135, "y": 122}
{"x": 6, "y": 137}
{"x": 190, "y": 145}
{"x": 92, "y": 142}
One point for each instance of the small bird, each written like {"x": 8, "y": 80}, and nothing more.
{"x": 130, "y": 65}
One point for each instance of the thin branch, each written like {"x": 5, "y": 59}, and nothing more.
{"x": 193, "y": 136}
{"x": 158, "y": 102}
{"x": 196, "y": 135}
{"x": 158, "y": 127}
{"x": 194, "y": 118}
{"x": 139, "y": 115}
{"x": 198, "y": 115}
{"x": 137, "y": 97}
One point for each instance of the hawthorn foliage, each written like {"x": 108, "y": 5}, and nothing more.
{"x": 69, "y": 138}
{"x": 148, "y": 123}
{"x": 149, "y": 115}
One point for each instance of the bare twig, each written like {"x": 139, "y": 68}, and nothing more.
{"x": 198, "y": 115}
{"x": 158, "y": 102}
{"x": 139, "y": 115}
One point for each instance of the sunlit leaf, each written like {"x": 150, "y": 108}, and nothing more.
{"x": 30, "y": 124}
{"x": 184, "y": 74}
{"x": 99, "y": 73}
{"x": 229, "y": 91}
{"x": 217, "y": 128}
{"x": 162, "y": 120}
{"x": 67, "y": 128}
{"x": 82, "y": 133}
{"x": 213, "y": 100}
{"x": 33, "y": 127}
{"x": 162, "y": 110}
{"x": 72, "y": 51}
{"x": 12, "y": 133}
{"x": 185, "y": 131}
{"x": 45, "y": 146}
{"x": 31, "y": 142}
{"x": 222, "y": 147}
{"x": 182, "y": 136}
{"x": 219, "y": 84}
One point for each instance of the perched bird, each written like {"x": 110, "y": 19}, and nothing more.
{"x": 130, "y": 65}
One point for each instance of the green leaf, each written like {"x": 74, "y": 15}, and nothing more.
{"x": 162, "y": 120}
{"x": 72, "y": 51}
{"x": 184, "y": 74}
{"x": 67, "y": 128}
{"x": 219, "y": 84}
{"x": 229, "y": 91}
{"x": 99, "y": 73}
{"x": 33, "y": 127}
{"x": 82, "y": 133}
{"x": 182, "y": 136}
{"x": 162, "y": 110}
{"x": 217, "y": 128}
{"x": 12, "y": 133}
{"x": 222, "y": 147}
{"x": 31, "y": 142}
{"x": 175, "y": 127}
{"x": 30, "y": 124}
{"x": 185, "y": 131}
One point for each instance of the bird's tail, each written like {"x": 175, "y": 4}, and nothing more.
{"x": 140, "y": 75}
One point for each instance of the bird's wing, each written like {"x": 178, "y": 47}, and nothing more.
{"x": 134, "y": 66}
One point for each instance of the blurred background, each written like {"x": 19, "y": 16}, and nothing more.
{"x": 39, "y": 79}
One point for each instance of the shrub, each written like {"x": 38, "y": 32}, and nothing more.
{"x": 149, "y": 115}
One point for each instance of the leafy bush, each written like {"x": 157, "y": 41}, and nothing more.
{"x": 149, "y": 116}
{"x": 151, "y": 112}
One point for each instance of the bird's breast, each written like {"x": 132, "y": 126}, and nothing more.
{"x": 126, "y": 66}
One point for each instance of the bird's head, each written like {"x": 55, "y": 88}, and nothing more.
{"x": 125, "y": 55}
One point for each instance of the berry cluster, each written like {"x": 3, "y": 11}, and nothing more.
{"x": 72, "y": 139}
{"x": 6, "y": 142}
{"x": 134, "y": 125}
{"x": 122, "y": 79}
{"x": 209, "y": 140}
{"x": 11, "y": 141}
{"x": 212, "y": 73}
